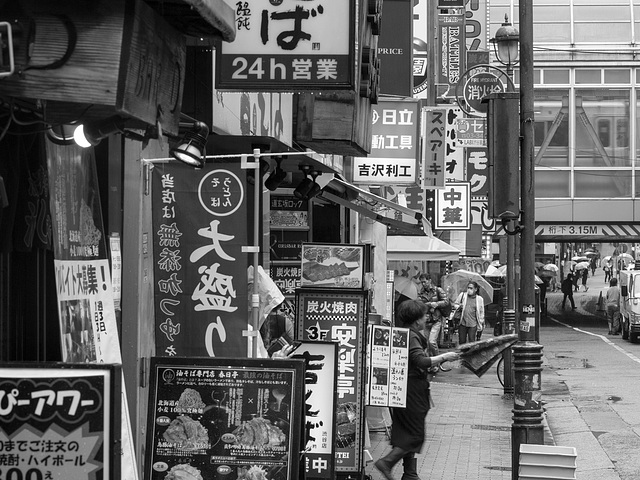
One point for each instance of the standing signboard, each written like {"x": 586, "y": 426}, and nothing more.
{"x": 451, "y": 48}
{"x": 453, "y": 207}
{"x": 394, "y": 146}
{"x": 339, "y": 316}
{"x": 200, "y": 226}
{"x": 224, "y": 418}
{"x": 284, "y": 47}
{"x": 60, "y": 421}
{"x": 321, "y": 363}
{"x": 388, "y": 364}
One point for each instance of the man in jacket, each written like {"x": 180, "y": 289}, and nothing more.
{"x": 439, "y": 307}
{"x": 567, "y": 290}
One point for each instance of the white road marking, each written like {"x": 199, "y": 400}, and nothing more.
{"x": 601, "y": 337}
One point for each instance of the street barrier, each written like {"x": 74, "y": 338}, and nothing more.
{"x": 547, "y": 462}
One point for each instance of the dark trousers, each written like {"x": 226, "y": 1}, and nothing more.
{"x": 564, "y": 300}
{"x": 466, "y": 334}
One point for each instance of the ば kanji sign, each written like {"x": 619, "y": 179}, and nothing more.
{"x": 288, "y": 45}
{"x": 453, "y": 207}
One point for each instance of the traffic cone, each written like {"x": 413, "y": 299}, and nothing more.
{"x": 600, "y": 303}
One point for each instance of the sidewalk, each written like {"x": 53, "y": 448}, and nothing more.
{"x": 468, "y": 433}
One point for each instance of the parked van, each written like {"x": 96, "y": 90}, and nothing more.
{"x": 630, "y": 302}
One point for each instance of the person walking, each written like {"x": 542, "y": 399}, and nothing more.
{"x": 575, "y": 278}
{"x": 607, "y": 272}
{"x": 436, "y": 299}
{"x": 585, "y": 275}
{"x": 407, "y": 429}
{"x": 613, "y": 307}
{"x": 567, "y": 289}
{"x": 472, "y": 320}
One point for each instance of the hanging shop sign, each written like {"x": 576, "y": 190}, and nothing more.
{"x": 451, "y": 48}
{"x": 280, "y": 46}
{"x": 472, "y": 132}
{"x": 394, "y": 146}
{"x": 453, "y": 207}
{"x": 288, "y": 211}
{"x": 478, "y": 171}
{"x": 420, "y": 56}
{"x": 224, "y": 418}
{"x": 60, "y": 421}
{"x": 332, "y": 265}
{"x": 394, "y": 48}
{"x": 388, "y": 361}
{"x": 339, "y": 317}
{"x": 442, "y": 153}
{"x": 200, "y": 226}
{"x": 476, "y": 25}
{"x": 321, "y": 366}
{"x": 286, "y": 277}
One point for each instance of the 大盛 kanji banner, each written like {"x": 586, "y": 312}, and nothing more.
{"x": 200, "y": 271}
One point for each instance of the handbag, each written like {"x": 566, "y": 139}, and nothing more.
{"x": 457, "y": 316}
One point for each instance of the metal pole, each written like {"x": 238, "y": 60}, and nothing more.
{"x": 255, "y": 297}
{"x": 527, "y": 353}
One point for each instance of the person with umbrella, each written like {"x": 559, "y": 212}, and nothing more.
{"x": 472, "y": 319}
{"x": 407, "y": 428}
{"x": 585, "y": 275}
{"x": 439, "y": 305}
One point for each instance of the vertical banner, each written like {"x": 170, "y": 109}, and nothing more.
{"x": 394, "y": 48}
{"x": 224, "y": 418}
{"x": 321, "y": 363}
{"x": 434, "y": 125}
{"x": 199, "y": 229}
{"x": 394, "y": 145}
{"x": 60, "y": 422}
{"x": 420, "y": 58}
{"x": 478, "y": 171}
{"x": 451, "y": 48}
{"x": 388, "y": 366}
{"x": 453, "y": 207}
{"x": 86, "y": 308}
{"x": 336, "y": 316}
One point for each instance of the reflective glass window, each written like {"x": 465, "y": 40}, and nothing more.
{"x": 602, "y": 128}
{"x": 552, "y": 76}
{"x": 552, "y": 183}
{"x": 551, "y": 110}
{"x": 602, "y": 32}
{"x": 602, "y": 183}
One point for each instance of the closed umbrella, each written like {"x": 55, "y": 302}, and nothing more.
{"x": 457, "y": 282}
{"x": 406, "y": 286}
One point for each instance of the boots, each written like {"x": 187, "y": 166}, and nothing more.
{"x": 386, "y": 464}
{"x": 410, "y": 467}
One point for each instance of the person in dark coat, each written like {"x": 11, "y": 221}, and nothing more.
{"x": 585, "y": 275}
{"x": 567, "y": 290}
{"x": 407, "y": 430}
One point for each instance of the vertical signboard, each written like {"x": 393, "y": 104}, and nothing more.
{"x": 434, "y": 124}
{"x": 200, "y": 226}
{"x": 453, "y": 207}
{"x": 224, "y": 418}
{"x": 338, "y": 316}
{"x": 388, "y": 353}
{"x": 394, "y": 48}
{"x": 394, "y": 146}
{"x": 451, "y": 48}
{"x": 321, "y": 363}
{"x": 284, "y": 46}
{"x": 60, "y": 422}
{"x": 478, "y": 171}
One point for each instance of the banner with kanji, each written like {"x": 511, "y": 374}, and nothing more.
{"x": 200, "y": 271}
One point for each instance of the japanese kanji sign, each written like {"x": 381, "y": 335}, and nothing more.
{"x": 60, "y": 422}
{"x": 287, "y": 45}
{"x": 478, "y": 171}
{"x": 451, "y": 48}
{"x": 335, "y": 316}
{"x": 472, "y": 132}
{"x": 394, "y": 147}
{"x": 434, "y": 146}
{"x": 224, "y": 418}
{"x": 199, "y": 228}
{"x": 453, "y": 207}
{"x": 388, "y": 361}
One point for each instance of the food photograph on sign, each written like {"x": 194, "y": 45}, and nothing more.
{"x": 237, "y": 422}
{"x": 330, "y": 265}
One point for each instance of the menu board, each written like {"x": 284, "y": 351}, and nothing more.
{"x": 60, "y": 421}
{"x": 224, "y": 418}
{"x": 332, "y": 265}
{"x": 388, "y": 364}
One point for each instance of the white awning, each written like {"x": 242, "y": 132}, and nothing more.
{"x": 419, "y": 248}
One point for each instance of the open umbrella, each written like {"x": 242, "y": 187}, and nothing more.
{"x": 626, "y": 257}
{"x": 538, "y": 280}
{"x": 590, "y": 253}
{"x": 538, "y": 265}
{"x": 406, "y": 286}
{"x": 582, "y": 265}
{"x": 605, "y": 261}
{"x": 493, "y": 271}
{"x": 547, "y": 274}
{"x": 579, "y": 258}
{"x": 457, "y": 282}
{"x": 551, "y": 267}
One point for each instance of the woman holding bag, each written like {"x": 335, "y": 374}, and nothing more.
{"x": 471, "y": 305}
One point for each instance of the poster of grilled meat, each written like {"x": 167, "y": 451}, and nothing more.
{"x": 332, "y": 265}
{"x": 224, "y": 418}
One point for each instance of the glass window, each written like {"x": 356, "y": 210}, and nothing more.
{"x": 602, "y": 128}
{"x": 552, "y": 32}
{"x": 588, "y": 76}
{"x": 593, "y": 13}
{"x": 552, "y": 76}
{"x": 552, "y": 183}
{"x": 551, "y": 110}
{"x": 603, "y": 32}
{"x": 552, "y": 13}
{"x": 602, "y": 184}
{"x": 617, "y": 76}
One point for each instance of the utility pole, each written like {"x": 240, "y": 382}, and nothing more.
{"x": 527, "y": 353}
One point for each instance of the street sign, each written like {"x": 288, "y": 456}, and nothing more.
{"x": 478, "y": 82}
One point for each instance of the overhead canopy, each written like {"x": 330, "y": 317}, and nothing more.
{"x": 370, "y": 205}
{"x": 419, "y": 248}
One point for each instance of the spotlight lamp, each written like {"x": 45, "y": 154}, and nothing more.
{"x": 308, "y": 188}
{"x": 90, "y": 134}
{"x": 191, "y": 149}
{"x": 277, "y": 177}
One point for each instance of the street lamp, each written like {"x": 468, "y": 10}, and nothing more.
{"x": 506, "y": 45}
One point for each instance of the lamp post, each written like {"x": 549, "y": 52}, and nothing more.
{"x": 505, "y": 44}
